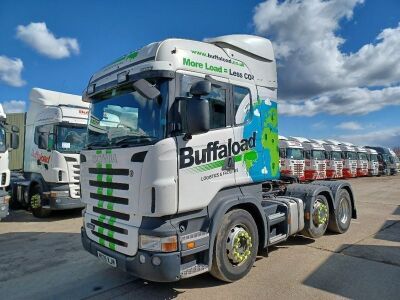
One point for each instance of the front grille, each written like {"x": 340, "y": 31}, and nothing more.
{"x": 321, "y": 167}
{"x": 298, "y": 169}
{"x": 109, "y": 227}
{"x": 109, "y": 239}
{"x": 3, "y": 178}
{"x": 112, "y": 199}
{"x": 111, "y": 213}
{"x": 102, "y": 171}
{"x": 109, "y": 185}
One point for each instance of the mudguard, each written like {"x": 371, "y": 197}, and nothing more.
{"x": 308, "y": 192}
{"x": 335, "y": 187}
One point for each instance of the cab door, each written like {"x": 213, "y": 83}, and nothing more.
{"x": 204, "y": 161}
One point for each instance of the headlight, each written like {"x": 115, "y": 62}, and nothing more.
{"x": 159, "y": 244}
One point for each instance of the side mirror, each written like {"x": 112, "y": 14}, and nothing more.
{"x": 14, "y": 140}
{"x": 43, "y": 141}
{"x": 197, "y": 115}
{"x": 200, "y": 88}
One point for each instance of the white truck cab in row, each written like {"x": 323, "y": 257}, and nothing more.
{"x": 291, "y": 158}
{"x": 54, "y": 136}
{"x": 362, "y": 161}
{"x": 334, "y": 161}
{"x": 373, "y": 163}
{"x": 4, "y": 154}
{"x": 315, "y": 158}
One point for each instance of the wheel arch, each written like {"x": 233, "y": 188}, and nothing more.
{"x": 228, "y": 200}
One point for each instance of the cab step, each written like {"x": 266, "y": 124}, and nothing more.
{"x": 194, "y": 270}
{"x": 277, "y": 239}
{"x": 276, "y": 218}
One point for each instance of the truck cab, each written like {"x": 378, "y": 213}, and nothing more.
{"x": 362, "y": 162}
{"x": 373, "y": 163}
{"x": 180, "y": 173}
{"x": 4, "y": 155}
{"x": 350, "y": 159}
{"x": 315, "y": 158}
{"x": 291, "y": 155}
{"x": 395, "y": 161}
{"x": 334, "y": 161}
{"x": 386, "y": 162}
{"x": 56, "y": 125}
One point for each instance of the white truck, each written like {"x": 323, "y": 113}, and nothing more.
{"x": 349, "y": 156}
{"x": 315, "y": 158}
{"x": 395, "y": 161}
{"x": 334, "y": 161}
{"x": 362, "y": 161}
{"x": 56, "y": 125}
{"x": 373, "y": 163}
{"x": 180, "y": 174}
{"x": 291, "y": 155}
{"x": 4, "y": 170}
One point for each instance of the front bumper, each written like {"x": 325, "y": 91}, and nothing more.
{"x": 61, "y": 203}
{"x": 3, "y": 205}
{"x": 140, "y": 265}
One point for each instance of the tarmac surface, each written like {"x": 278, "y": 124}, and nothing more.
{"x": 44, "y": 259}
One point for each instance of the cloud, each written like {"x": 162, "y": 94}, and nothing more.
{"x": 384, "y": 137}
{"x": 350, "y": 126}
{"x": 40, "y": 38}
{"x": 10, "y": 71}
{"x": 314, "y": 75}
{"x": 14, "y": 106}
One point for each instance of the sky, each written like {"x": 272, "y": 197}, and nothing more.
{"x": 338, "y": 61}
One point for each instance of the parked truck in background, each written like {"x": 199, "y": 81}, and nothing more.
{"x": 362, "y": 161}
{"x": 315, "y": 159}
{"x": 180, "y": 175}
{"x": 386, "y": 164}
{"x": 4, "y": 152}
{"x": 395, "y": 161}
{"x": 350, "y": 158}
{"x": 334, "y": 161}
{"x": 55, "y": 131}
{"x": 291, "y": 155}
{"x": 373, "y": 164}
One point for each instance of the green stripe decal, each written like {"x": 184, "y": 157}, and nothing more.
{"x": 110, "y": 206}
{"x": 98, "y": 165}
{"x": 100, "y": 204}
{"x": 108, "y": 166}
{"x": 99, "y": 177}
{"x": 98, "y": 151}
{"x": 111, "y": 221}
{"x": 109, "y": 178}
{"x": 111, "y": 246}
{"x": 110, "y": 234}
{"x": 108, "y": 151}
{"x": 102, "y": 242}
{"x": 100, "y": 230}
{"x": 102, "y": 218}
{"x": 110, "y": 192}
{"x": 100, "y": 191}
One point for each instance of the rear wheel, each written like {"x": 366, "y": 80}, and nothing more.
{"x": 36, "y": 204}
{"x": 319, "y": 218}
{"x": 235, "y": 247}
{"x": 340, "y": 219}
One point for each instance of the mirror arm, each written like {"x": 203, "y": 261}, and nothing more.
{"x": 187, "y": 137}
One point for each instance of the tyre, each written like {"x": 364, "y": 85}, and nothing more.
{"x": 340, "y": 219}
{"x": 36, "y": 204}
{"x": 319, "y": 218}
{"x": 235, "y": 246}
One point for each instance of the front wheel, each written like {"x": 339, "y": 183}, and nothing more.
{"x": 36, "y": 204}
{"x": 318, "y": 218}
{"x": 339, "y": 220}
{"x": 235, "y": 247}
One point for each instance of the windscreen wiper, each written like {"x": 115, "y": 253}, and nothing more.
{"x": 127, "y": 139}
{"x": 98, "y": 144}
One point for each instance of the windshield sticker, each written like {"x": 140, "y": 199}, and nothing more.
{"x": 65, "y": 145}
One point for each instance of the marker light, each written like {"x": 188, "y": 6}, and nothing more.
{"x": 90, "y": 89}
{"x": 160, "y": 244}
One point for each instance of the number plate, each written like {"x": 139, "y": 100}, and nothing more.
{"x": 107, "y": 259}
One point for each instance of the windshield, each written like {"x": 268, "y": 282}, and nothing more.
{"x": 70, "y": 139}
{"x": 336, "y": 155}
{"x": 2, "y": 140}
{"x": 318, "y": 154}
{"x": 123, "y": 117}
{"x": 362, "y": 156}
{"x": 351, "y": 155}
{"x": 374, "y": 157}
{"x": 294, "y": 153}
